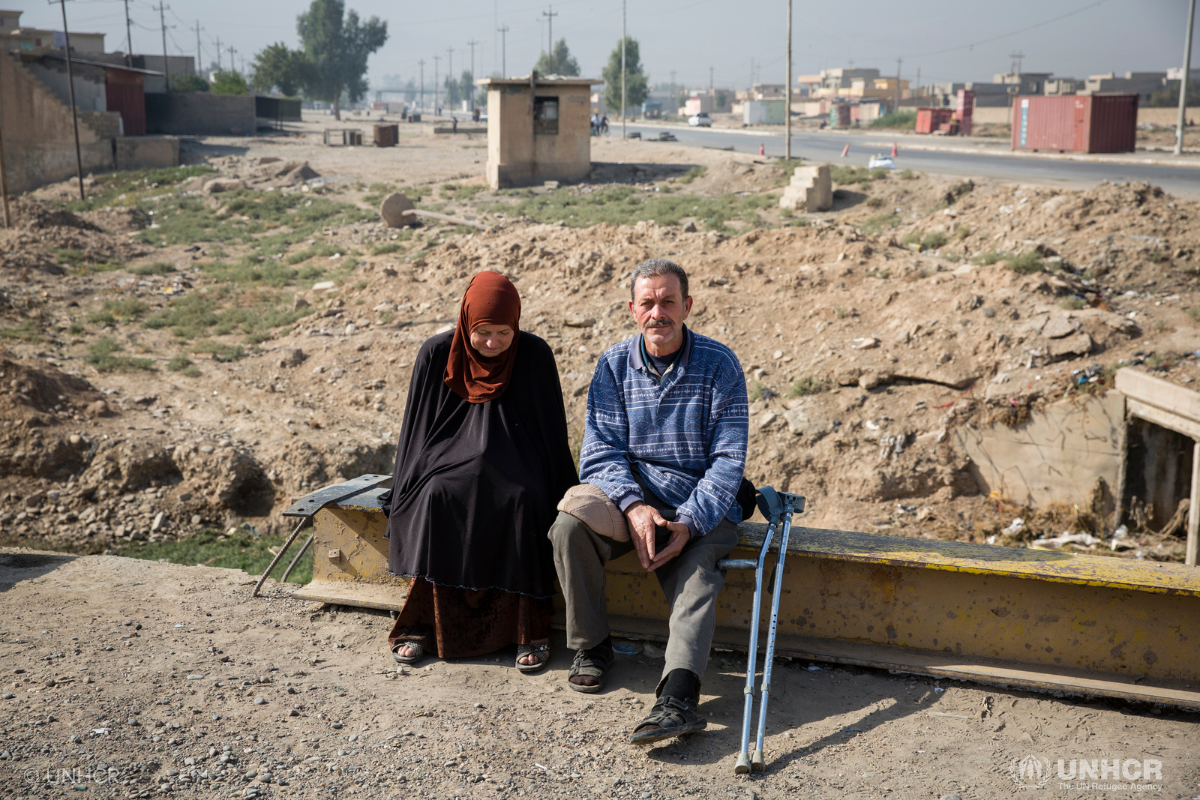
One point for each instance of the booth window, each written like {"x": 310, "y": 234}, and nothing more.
{"x": 545, "y": 115}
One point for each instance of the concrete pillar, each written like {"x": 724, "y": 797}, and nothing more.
{"x": 1193, "y": 528}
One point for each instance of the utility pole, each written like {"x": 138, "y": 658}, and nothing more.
{"x": 787, "y": 93}
{"x": 674, "y": 99}
{"x": 898, "y": 60}
{"x": 163, "y": 21}
{"x": 128, "y": 37}
{"x": 422, "y": 88}
{"x": 710, "y": 81}
{"x": 218, "y": 54}
{"x": 3, "y": 175}
{"x": 450, "y": 77}
{"x": 1015, "y": 66}
{"x": 199, "y": 57}
{"x": 74, "y": 115}
{"x": 550, "y": 15}
{"x": 503, "y": 51}
{"x": 232, "y": 58}
{"x": 1183, "y": 82}
{"x": 436, "y": 60}
{"x": 624, "y": 97}
{"x": 472, "y": 44}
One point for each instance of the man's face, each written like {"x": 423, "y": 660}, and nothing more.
{"x": 660, "y": 308}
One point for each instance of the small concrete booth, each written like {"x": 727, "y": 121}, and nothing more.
{"x": 539, "y": 129}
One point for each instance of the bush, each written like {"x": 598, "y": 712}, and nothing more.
{"x": 873, "y": 202}
{"x": 102, "y": 356}
{"x": 879, "y": 223}
{"x": 157, "y": 268}
{"x": 806, "y": 386}
{"x": 1073, "y": 303}
{"x": 933, "y": 241}
{"x": 898, "y": 120}
{"x": 1026, "y": 263}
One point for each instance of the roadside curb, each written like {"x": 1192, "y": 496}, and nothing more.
{"x": 1190, "y": 161}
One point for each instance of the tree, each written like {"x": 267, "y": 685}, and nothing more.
{"x": 338, "y": 45}
{"x": 564, "y": 62}
{"x": 719, "y": 98}
{"x": 410, "y": 90}
{"x": 1168, "y": 97}
{"x": 229, "y": 82}
{"x": 189, "y": 83}
{"x": 636, "y": 84}
{"x": 277, "y": 66}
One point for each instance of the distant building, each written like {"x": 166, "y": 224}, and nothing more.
{"x": 539, "y": 129}
{"x": 14, "y": 37}
{"x": 1062, "y": 86}
{"x": 177, "y": 67}
{"x": 1143, "y": 84}
{"x": 1026, "y": 82}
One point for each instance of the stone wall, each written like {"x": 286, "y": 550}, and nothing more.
{"x": 39, "y": 145}
{"x": 200, "y": 114}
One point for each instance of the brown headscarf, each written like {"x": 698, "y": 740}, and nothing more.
{"x": 490, "y": 299}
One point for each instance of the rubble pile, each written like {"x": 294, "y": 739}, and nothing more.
{"x": 44, "y": 238}
{"x": 863, "y": 352}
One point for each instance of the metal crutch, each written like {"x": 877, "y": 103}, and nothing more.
{"x": 792, "y": 503}
{"x": 771, "y": 507}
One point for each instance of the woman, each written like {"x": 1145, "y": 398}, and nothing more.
{"x": 482, "y": 461}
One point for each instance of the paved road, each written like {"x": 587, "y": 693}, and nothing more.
{"x": 1177, "y": 180}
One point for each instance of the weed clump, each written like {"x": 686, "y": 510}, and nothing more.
{"x": 806, "y": 386}
{"x": 103, "y": 356}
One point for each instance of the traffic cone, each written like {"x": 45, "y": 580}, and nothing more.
{"x": 762, "y": 150}
{"x": 894, "y": 151}
{"x": 845, "y": 151}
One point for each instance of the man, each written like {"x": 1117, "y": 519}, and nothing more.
{"x": 665, "y": 440}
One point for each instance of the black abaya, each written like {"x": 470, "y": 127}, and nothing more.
{"x": 476, "y": 484}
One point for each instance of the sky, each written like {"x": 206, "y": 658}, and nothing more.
{"x": 947, "y": 40}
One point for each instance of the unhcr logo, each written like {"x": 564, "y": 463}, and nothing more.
{"x": 1030, "y": 772}
{"x": 1081, "y": 774}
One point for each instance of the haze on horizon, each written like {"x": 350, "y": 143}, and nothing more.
{"x": 946, "y": 39}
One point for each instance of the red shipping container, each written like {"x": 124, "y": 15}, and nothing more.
{"x": 1099, "y": 123}
{"x": 932, "y": 119}
{"x": 965, "y": 111}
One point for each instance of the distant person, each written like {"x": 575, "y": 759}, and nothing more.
{"x": 453, "y": 124}
{"x": 664, "y": 441}
{"x": 482, "y": 460}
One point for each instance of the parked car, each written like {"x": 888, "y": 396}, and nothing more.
{"x": 701, "y": 120}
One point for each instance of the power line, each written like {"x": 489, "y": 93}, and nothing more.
{"x": 1026, "y": 29}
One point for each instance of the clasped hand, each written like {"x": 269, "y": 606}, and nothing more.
{"x": 643, "y": 519}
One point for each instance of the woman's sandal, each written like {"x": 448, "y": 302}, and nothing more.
{"x": 674, "y": 716}
{"x": 594, "y": 663}
{"x": 540, "y": 650}
{"x": 418, "y": 652}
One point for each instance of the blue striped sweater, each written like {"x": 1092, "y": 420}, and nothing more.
{"x": 686, "y": 434}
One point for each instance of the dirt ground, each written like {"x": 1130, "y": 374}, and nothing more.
{"x": 867, "y": 333}
{"x": 158, "y": 379}
{"x": 174, "y": 682}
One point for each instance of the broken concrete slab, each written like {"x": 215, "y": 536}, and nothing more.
{"x": 1058, "y": 327}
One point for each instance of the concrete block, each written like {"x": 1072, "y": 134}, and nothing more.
{"x": 810, "y": 189}
{"x": 1055, "y": 457}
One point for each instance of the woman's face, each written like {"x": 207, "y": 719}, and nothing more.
{"x": 491, "y": 340}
